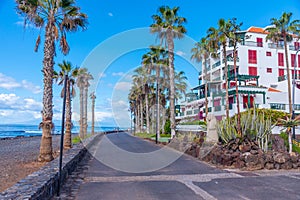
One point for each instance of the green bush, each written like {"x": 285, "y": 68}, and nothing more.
{"x": 285, "y": 137}
{"x": 167, "y": 127}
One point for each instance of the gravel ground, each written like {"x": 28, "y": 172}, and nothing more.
{"x": 19, "y": 158}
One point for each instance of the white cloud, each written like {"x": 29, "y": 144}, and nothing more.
{"x": 124, "y": 86}
{"x": 118, "y": 73}
{"x": 180, "y": 53}
{"x": 110, "y": 14}
{"x": 8, "y": 83}
{"x": 31, "y": 87}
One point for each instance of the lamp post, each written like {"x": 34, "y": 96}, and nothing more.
{"x": 294, "y": 85}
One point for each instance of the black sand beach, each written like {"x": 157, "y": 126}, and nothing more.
{"x": 19, "y": 158}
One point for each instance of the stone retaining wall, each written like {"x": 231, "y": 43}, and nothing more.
{"x": 43, "y": 184}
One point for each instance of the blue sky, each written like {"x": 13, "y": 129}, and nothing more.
{"x": 111, "y": 48}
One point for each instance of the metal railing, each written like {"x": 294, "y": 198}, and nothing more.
{"x": 253, "y": 44}
{"x": 275, "y": 46}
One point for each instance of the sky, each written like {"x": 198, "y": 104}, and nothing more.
{"x": 111, "y": 48}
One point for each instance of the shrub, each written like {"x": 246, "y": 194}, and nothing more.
{"x": 167, "y": 127}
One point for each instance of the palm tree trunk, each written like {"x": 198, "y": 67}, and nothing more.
{"x": 172, "y": 81}
{"x": 85, "y": 110}
{"x": 206, "y": 90}
{"x": 93, "y": 114}
{"x": 68, "y": 134}
{"x": 147, "y": 113}
{"x": 226, "y": 81}
{"x": 237, "y": 93}
{"x": 47, "y": 113}
{"x": 81, "y": 133}
{"x": 288, "y": 75}
{"x": 141, "y": 117}
{"x": 157, "y": 103}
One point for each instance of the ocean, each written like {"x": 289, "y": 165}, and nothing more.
{"x": 18, "y": 130}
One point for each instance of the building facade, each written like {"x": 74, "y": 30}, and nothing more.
{"x": 262, "y": 78}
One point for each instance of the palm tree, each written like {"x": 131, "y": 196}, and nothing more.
{"x": 288, "y": 123}
{"x": 235, "y": 39}
{"x": 200, "y": 53}
{"x": 155, "y": 60}
{"x": 69, "y": 74}
{"x": 57, "y": 18}
{"x": 282, "y": 29}
{"x": 180, "y": 84}
{"x": 221, "y": 35}
{"x": 93, "y": 97}
{"x": 83, "y": 83}
{"x": 168, "y": 25}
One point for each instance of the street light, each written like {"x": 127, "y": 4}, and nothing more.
{"x": 294, "y": 85}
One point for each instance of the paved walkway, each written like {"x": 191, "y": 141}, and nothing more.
{"x": 186, "y": 178}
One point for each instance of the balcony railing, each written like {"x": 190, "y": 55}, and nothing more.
{"x": 294, "y": 48}
{"x": 277, "y": 106}
{"x": 230, "y": 59}
{"x": 253, "y": 44}
{"x": 217, "y": 108}
{"x": 275, "y": 46}
{"x": 284, "y": 77}
{"x": 217, "y": 64}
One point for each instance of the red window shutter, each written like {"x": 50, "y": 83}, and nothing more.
{"x": 298, "y": 60}
{"x": 252, "y": 71}
{"x": 293, "y": 56}
{"x": 259, "y": 42}
{"x": 297, "y": 45}
{"x": 280, "y": 59}
{"x": 280, "y": 72}
{"x": 252, "y": 57}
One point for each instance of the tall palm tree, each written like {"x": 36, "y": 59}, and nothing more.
{"x": 155, "y": 60}
{"x": 221, "y": 36}
{"x": 235, "y": 39}
{"x": 66, "y": 70}
{"x": 282, "y": 29}
{"x": 93, "y": 97}
{"x": 56, "y": 18}
{"x": 83, "y": 83}
{"x": 168, "y": 25}
{"x": 180, "y": 84}
{"x": 200, "y": 53}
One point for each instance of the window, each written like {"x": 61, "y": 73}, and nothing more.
{"x": 252, "y": 57}
{"x": 269, "y": 70}
{"x": 297, "y": 45}
{"x": 252, "y": 71}
{"x": 280, "y": 72}
{"x": 268, "y": 53}
{"x": 298, "y": 61}
{"x": 293, "y": 56}
{"x": 259, "y": 42}
{"x": 280, "y": 59}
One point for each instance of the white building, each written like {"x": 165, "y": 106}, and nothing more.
{"x": 262, "y": 74}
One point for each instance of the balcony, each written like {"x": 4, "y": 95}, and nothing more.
{"x": 217, "y": 64}
{"x": 275, "y": 46}
{"x": 253, "y": 44}
{"x": 218, "y": 108}
{"x": 230, "y": 59}
{"x": 284, "y": 77}
{"x": 294, "y": 48}
{"x": 277, "y": 106}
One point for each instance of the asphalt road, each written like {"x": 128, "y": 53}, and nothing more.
{"x": 100, "y": 177}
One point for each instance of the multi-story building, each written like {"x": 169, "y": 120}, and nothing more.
{"x": 262, "y": 78}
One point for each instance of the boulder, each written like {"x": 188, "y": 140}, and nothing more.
{"x": 269, "y": 166}
{"x": 279, "y": 158}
